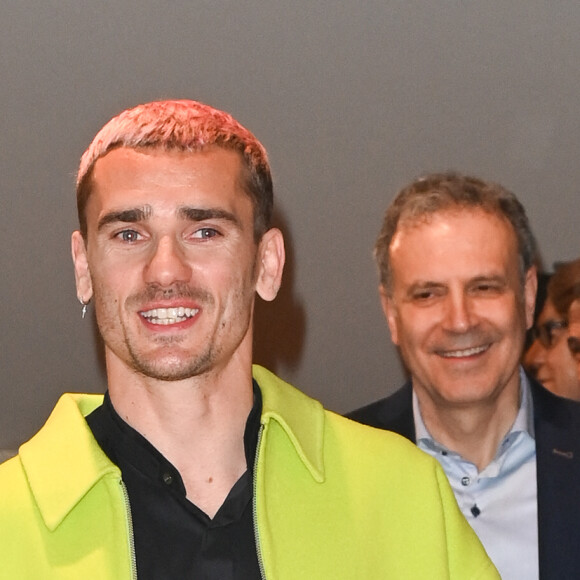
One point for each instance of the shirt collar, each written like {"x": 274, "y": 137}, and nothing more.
{"x": 524, "y": 421}
{"x": 123, "y": 444}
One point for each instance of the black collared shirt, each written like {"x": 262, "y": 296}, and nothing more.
{"x": 173, "y": 538}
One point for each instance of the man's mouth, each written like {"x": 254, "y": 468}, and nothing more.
{"x": 463, "y": 353}
{"x": 166, "y": 316}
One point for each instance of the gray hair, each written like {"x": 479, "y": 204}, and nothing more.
{"x": 442, "y": 191}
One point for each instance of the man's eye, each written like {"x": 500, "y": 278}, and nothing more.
{"x": 205, "y": 233}
{"x": 128, "y": 236}
{"x": 423, "y": 295}
{"x": 486, "y": 288}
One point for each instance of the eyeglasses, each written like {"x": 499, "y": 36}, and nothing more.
{"x": 547, "y": 333}
{"x": 574, "y": 346}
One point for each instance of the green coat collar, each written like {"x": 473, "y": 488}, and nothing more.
{"x": 65, "y": 453}
{"x": 301, "y": 417}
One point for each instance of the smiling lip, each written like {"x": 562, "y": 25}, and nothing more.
{"x": 463, "y": 353}
{"x": 168, "y": 316}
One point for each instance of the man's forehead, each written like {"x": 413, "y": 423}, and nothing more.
{"x": 574, "y": 313}
{"x": 155, "y": 182}
{"x": 447, "y": 223}
{"x": 463, "y": 245}
{"x": 131, "y": 156}
{"x": 126, "y": 169}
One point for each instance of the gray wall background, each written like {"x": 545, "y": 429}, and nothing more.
{"x": 352, "y": 99}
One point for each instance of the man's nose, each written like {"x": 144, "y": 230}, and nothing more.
{"x": 167, "y": 264}
{"x": 459, "y": 315}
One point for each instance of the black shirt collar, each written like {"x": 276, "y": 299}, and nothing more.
{"x": 123, "y": 443}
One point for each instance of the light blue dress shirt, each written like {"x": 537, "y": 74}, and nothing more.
{"x": 499, "y": 502}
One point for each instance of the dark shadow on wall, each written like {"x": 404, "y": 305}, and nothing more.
{"x": 280, "y": 326}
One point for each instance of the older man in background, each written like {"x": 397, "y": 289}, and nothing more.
{"x": 457, "y": 284}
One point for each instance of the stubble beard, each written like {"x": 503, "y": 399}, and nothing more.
{"x": 174, "y": 369}
{"x": 174, "y": 365}
{"x": 177, "y": 364}
{"x": 170, "y": 362}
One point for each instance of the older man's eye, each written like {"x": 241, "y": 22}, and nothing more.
{"x": 487, "y": 288}
{"x": 431, "y": 291}
{"x": 423, "y": 295}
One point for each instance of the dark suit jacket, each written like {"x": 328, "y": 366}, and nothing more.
{"x": 557, "y": 431}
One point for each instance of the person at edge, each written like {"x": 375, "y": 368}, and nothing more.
{"x": 574, "y": 333}
{"x": 567, "y": 301}
{"x": 195, "y": 464}
{"x": 549, "y": 359}
{"x": 457, "y": 285}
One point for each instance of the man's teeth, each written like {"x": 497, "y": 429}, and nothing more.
{"x": 464, "y": 353}
{"x": 169, "y": 315}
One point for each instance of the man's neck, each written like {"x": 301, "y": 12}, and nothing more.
{"x": 197, "y": 424}
{"x": 473, "y": 431}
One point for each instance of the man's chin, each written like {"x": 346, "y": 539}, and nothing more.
{"x": 172, "y": 369}
{"x": 457, "y": 393}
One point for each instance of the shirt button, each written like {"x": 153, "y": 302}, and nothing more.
{"x": 167, "y": 478}
{"x": 465, "y": 481}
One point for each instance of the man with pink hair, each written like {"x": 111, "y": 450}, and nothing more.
{"x": 196, "y": 464}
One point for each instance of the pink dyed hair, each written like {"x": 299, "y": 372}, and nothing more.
{"x": 181, "y": 125}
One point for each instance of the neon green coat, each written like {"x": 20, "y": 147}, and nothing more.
{"x": 333, "y": 500}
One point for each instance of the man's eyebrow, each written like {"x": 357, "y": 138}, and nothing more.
{"x": 423, "y": 284}
{"x": 133, "y": 215}
{"x": 487, "y": 278}
{"x": 196, "y": 214}
{"x": 193, "y": 214}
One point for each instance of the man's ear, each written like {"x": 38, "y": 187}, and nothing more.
{"x": 81, "y": 264}
{"x": 530, "y": 290}
{"x": 270, "y": 265}
{"x": 390, "y": 311}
